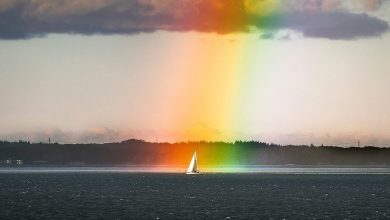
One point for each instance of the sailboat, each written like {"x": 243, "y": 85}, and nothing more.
{"x": 193, "y": 167}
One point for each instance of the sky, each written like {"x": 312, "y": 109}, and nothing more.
{"x": 281, "y": 71}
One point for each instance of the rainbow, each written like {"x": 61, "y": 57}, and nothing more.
{"x": 212, "y": 156}
{"x": 209, "y": 98}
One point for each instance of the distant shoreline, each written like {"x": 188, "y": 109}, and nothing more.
{"x": 206, "y": 171}
{"x": 211, "y": 154}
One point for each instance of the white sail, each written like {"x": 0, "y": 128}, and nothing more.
{"x": 193, "y": 167}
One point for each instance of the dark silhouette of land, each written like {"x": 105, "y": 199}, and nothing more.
{"x": 139, "y": 152}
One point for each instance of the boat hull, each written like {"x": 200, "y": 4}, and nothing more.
{"x": 192, "y": 173}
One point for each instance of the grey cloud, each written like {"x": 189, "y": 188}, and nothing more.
{"x": 21, "y": 19}
{"x": 342, "y": 140}
{"x": 267, "y": 35}
{"x": 96, "y": 135}
{"x": 100, "y": 135}
{"x": 334, "y": 25}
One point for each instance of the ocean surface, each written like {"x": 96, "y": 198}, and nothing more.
{"x": 118, "y": 193}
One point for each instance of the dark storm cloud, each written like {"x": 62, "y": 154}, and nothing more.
{"x": 21, "y": 19}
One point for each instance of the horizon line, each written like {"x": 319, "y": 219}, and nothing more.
{"x": 198, "y": 142}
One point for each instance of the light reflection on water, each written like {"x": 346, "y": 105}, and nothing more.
{"x": 282, "y": 169}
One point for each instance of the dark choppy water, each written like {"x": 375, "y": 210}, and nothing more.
{"x": 169, "y": 196}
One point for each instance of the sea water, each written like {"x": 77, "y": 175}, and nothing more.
{"x": 116, "y": 193}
